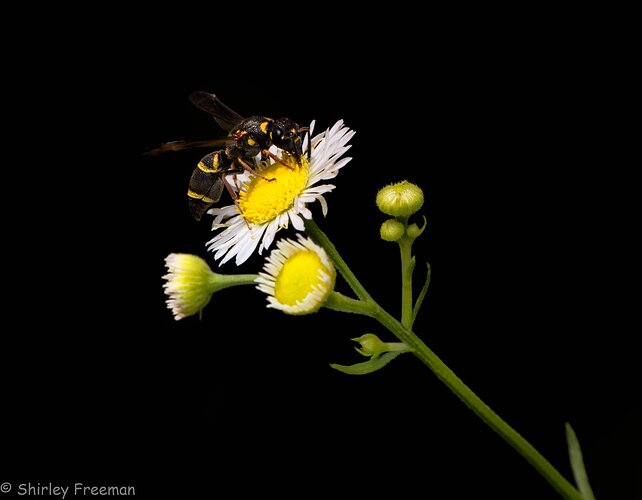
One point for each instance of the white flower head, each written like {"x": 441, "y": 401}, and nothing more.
{"x": 190, "y": 284}
{"x": 268, "y": 206}
{"x": 298, "y": 276}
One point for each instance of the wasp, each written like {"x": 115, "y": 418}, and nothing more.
{"x": 247, "y": 138}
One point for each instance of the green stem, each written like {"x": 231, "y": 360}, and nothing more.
{"x": 321, "y": 238}
{"x": 481, "y": 409}
{"x": 405, "y": 249}
{"x": 446, "y": 375}
{"x": 397, "y": 347}
{"x": 220, "y": 282}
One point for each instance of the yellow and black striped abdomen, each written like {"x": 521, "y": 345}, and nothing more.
{"x": 206, "y": 183}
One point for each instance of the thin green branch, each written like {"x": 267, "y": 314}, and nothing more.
{"x": 407, "y": 266}
{"x": 222, "y": 281}
{"x": 481, "y": 409}
{"x": 447, "y": 376}
{"x": 339, "y": 302}
{"x": 321, "y": 238}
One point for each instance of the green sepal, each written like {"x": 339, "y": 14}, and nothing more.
{"x": 369, "y": 366}
{"x": 413, "y": 231}
{"x": 577, "y": 464}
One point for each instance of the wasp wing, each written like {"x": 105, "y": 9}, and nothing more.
{"x": 181, "y": 145}
{"x": 224, "y": 116}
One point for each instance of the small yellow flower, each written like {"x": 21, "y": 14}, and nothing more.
{"x": 298, "y": 276}
{"x": 191, "y": 283}
{"x": 401, "y": 199}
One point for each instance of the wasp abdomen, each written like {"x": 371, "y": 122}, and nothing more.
{"x": 206, "y": 183}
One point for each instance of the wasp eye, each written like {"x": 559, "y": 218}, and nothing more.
{"x": 277, "y": 133}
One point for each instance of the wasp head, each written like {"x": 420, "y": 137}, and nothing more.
{"x": 288, "y": 136}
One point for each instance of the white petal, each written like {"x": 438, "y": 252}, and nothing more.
{"x": 239, "y": 242}
{"x": 324, "y": 205}
{"x": 245, "y": 240}
{"x": 270, "y": 232}
{"x": 283, "y": 220}
{"x": 321, "y": 189}
{"x": 228, "y": 236}
{"x": 297, "y": 221}
{"x": 222, "y": 213}
{"x": 231, "y": 243}
{"x": 303, "y": 210}
{"x": 246, "y": 251}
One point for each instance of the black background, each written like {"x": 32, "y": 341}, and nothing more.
{"x": 529, "y": 237}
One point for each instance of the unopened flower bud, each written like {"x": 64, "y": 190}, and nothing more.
{"x": 401, "y": 199}
{"x": 371, "y": 345}
{"x": 391, "y": 230}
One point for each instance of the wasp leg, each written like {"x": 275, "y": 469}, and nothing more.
{"x": 277, "y": 159}
{"x": 235, "y": 198}
{"x": 252, "y": 171}
{"x": 236, "y": 182}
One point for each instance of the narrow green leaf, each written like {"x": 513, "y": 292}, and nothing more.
{"x": 422, "y": 294}
{"x": 367, "y": 366}
{"x": 577, "y": 464}
{"x": 411, "y": 267}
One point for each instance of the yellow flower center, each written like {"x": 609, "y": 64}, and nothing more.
{"x": 298, "y": 276}
{"x": 262, "y": 200}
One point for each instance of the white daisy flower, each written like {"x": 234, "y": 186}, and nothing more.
{"x": 298, "y": 276}
{"x": 270, "y": 206}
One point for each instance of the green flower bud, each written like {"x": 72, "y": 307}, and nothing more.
{"x": 401, "y": 199}
{"x": 391, "y": 230}
{"x": 371, "y": 345}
